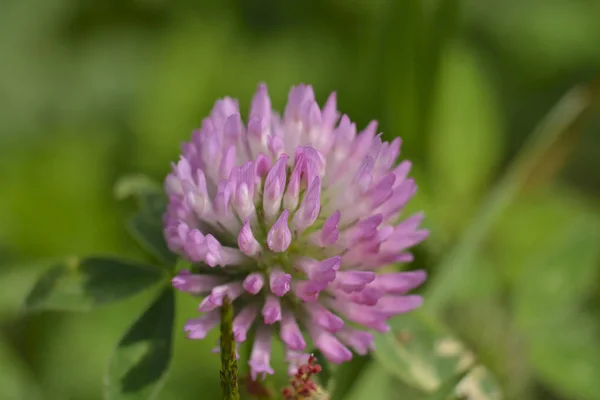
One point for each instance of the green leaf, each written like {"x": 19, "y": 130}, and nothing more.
{"x": 464, "y": 146}
{"x": 400, "y": 69}
{"x": 139, "y": 365}
{"x": 146, "y": 226}
{"x": 346, "y": 375}
{"x": 423, "y": 355}
{"x": 414, "y": 41}
{"x": 550, "y": 295}
{"x": 147, "y": 230}
{"x": 440, "y": 30}
{"x": 83, "y": 284}
{"x": 451, "y": 279}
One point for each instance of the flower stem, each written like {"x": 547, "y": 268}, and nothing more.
{"x": 229, "y": 367}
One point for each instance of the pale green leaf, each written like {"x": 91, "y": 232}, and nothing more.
{"x": 135, "y": 186}
{"x": 424, "y": 355}
{"x": 447, "y": 390}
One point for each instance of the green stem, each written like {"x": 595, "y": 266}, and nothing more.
{"x": 229, "y": 367}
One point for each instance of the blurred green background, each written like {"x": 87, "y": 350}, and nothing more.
{"x": 496, "y": 102}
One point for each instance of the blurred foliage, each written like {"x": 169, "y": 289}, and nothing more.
{"x": 82, "y": 285}
{"x": 91, "y": 91}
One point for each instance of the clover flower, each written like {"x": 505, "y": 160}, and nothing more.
{"x": 291, "y": 218}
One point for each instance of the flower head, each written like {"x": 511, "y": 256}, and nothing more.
{"x": 293, "y": 216}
